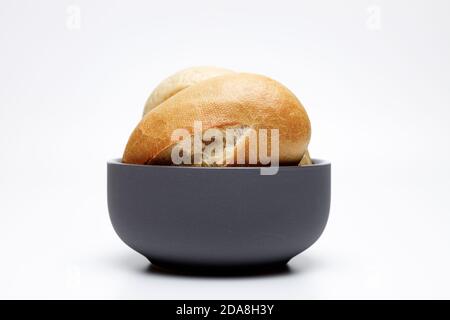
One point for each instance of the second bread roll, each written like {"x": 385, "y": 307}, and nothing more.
{"x": 179, "y": 81}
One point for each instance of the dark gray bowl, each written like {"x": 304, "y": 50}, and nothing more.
{"x": 197, "y": 217}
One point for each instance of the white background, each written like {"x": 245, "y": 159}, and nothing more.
{"x": 374, "y": 77}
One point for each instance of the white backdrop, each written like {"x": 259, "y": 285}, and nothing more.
{"x": 373, "y": 75}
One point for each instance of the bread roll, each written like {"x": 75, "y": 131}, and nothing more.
{"x": 179, "y": 81}
{"x": 306, "y": 160}
{"x": 234, "y": 100}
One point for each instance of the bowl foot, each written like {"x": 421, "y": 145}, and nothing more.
{"x": 219, "y": 269}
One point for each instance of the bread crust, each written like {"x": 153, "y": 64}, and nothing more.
{"x": 180, "y": 81}
{"x": 234, "y": 99}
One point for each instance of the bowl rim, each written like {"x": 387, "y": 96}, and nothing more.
{"x": 317, "y": 163}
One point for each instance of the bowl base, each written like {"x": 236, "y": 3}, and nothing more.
{"x": 219, "y": 269}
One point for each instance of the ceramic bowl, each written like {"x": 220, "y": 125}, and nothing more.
{"x": 209, "y": 217}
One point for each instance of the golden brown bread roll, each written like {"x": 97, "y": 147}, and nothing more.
{"x": 234, "y": 100}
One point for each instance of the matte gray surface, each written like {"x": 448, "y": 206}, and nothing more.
{"x": 182, "y": 217}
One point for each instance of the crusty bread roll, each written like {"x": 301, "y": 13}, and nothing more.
{"x": 179, "y": 81}
{"x": 234, "y": 100}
